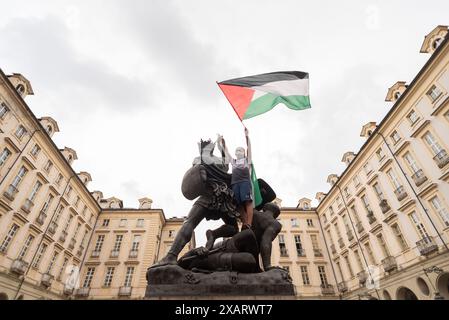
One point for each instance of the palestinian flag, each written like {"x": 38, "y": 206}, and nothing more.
{"x": 254, "y": 95}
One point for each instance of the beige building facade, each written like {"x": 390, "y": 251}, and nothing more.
{"x": 380, "y": 232}
{"x": 386, "y": 217}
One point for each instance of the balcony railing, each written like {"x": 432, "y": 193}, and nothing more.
{"x": 359, "y": 227}
{"x": 68, "y": 290}
{"x": 46, "y": 280}
{"x": 82, "y": 292}
{"x": 72, "y": 243}
{"x": 342, "y": 287}
{"x": 27, "y": 205}
{"x": 114, "y": 253}
{"x": 133, "y": 253}
{"x": 363, "y": 276}
{"x": 384, "y": 206}
{"x": 63, "y": 236}
{"x": 371, "y": 217}
{"x": 350, "y": 235}
{"x": 19, "y": 266}
{"x": 400, "y": 193}
{"x": 341, "y": 243}
{"x": 426, "y": 246}
{"x": 317, "y": 253}
{"x": 419, "y": 177}
{"x": 441, "y": 158}
{"x": 124, "y": 291}
{"x": 52, "y": 227}
{"x": 333, "y": 250}
{"x": 95, "y": 254}
{"x": 389, "y": 264}
{"x": 327, "y": 289}
{"x": 41, "y": 218}
{"x": 11, "y": 192}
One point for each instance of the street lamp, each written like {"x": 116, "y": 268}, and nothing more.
{"x": 437, "y": 270}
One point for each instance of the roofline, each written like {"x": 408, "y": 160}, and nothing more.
{"x": 35, "y": 119}
{"x": 152, "y": 210}
{"x": 392, "y": 109}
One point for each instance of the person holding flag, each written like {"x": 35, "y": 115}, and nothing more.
{"x": 241, "y": 179}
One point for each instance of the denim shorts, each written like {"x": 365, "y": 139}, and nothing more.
{"x": 242, "y": 192}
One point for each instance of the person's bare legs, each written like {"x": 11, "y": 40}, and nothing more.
{"x": 243, "y": 215}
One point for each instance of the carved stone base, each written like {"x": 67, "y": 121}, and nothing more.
{"x": 174, "y": 281}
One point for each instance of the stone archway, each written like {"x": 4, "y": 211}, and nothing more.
{"x": 3, "y": 296}
{"x": 405, "y": 293}
{"x": 443, "y": 285}
{"x": 386, "y": 295}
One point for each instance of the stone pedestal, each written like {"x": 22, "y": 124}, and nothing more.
{"x": 174, "y": 282}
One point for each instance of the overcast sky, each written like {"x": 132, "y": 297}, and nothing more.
{"x": 132, "y": 83}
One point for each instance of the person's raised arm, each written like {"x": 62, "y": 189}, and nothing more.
{"x": 222, "y": 147}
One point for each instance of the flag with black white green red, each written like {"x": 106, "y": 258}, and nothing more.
{"x": 255, "y": 95}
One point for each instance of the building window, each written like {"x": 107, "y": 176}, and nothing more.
{"x": 432, "y": 143}
{"x": 394, "y": 179}
{"x": 19, "y": 177}
{"x": 411, "y": 163}
{"x": 140, "y": 223}
{"x": 8, "y": 238}
{"x": 383, "y": 245}
{"x": 368, "y": 250}
{"x": 366, "y": 204}
{"x": 105, "y": 223}
{"x": 26, "y": 246}
{"x": 367, "y": 168}
{"x": 348, "y": 264}
{"x": 35, "y": 150}
{"x": 3, "y": 110}
{"x": 89, "y": 276}
{"x": 380, "y": 154}
{"x": 136, "y": 242}
{"x": 294, "y": 222}
{"x": 129, "y": 276}
{"x": 34, "y": 191}
{"x": 347, "y": 193}
{"x": 298, "y": 245}
{"x": 412, "y": 117}
{"x": 434, "y": 93}
{"x": 69, "y": 220}
{"x": 306, "y": 206}
{"x": 397, "y": 94}
{"x": 314, "y": 240}
{"x": 355, "y": 214}
{"x": 118, "y": 242}
{"x": 340, "y": 271}
{"x": 123, "y": 223}
{"x": 69, "y": 191}
{"x": 282, "y": 247}
{"x": 339, "y": 203}
{"x": 63, "y": 266}
{"x": 323, "y": 277}
{"x": 109, "y": 276}
{"x": 378, "y": 191}
{"x": 356, "y": 180}
{"x": 337, "y": 230}
{"x": 59, "y": 179}
{"x": 305, "y": 276}
{"x": 20, "y": 132}
{"x": 418, "y": 225}
{"x": 40, "y": 253}
{"x": 4, "y": 156}
{"x": 346, "y": 223}
{"x": 395, "y": 137}
{"x": 398, "y": 234}
{"x": 77, "y": 201}
{"x": 48, "y": 166}
{"x": 331, "y": 210}
{"x": 309, "y": 222}
{"x": 99, "y": 243}
{"x": 440, "y": 209}
{"x": 47, "y": 203}
{"x": 20, "y": 89}
{"x": 59, "y": 213}
{"x": 359, "y": 260}
{"x": 52, "y": 262}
